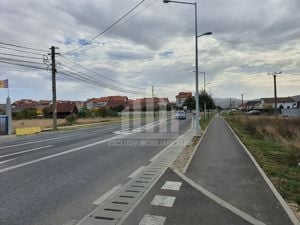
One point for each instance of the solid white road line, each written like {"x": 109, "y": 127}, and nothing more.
{"x": 59, "y": 154}
{"x": 162, "y": 200}
{"x": 137, "y": 172}
{"x": 33, "y": 142}
{"x": 50, "y": 139}
{"x": 29, "y": 150}
{"x": 7, "y": 161}
{"x": 152, "y": 220}
{"x": 107, "y": 195}
{"x": 171, "y": 185}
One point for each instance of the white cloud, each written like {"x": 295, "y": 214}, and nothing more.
{"x": 250, "y": 39}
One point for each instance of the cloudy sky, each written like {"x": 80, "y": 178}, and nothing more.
{"x": 153, "y": 46}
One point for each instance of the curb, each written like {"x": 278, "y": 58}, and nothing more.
{"x": 286, "y": 208}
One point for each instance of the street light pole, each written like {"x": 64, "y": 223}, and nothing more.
{"x": 197, "y": 121}
{"x": 197, "y": 127}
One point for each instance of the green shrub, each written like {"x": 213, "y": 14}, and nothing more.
{"x": 71, "y": 119}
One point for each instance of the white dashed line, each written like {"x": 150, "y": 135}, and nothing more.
{"x": 161, "y": 200}
{"x": 171, "y": 185}
{"x": 153, "y": 220}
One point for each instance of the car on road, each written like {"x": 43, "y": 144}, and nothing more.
{"x": 180, "y": 115}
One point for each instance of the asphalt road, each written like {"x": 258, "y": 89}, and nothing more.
{"x": 54, "y": 178}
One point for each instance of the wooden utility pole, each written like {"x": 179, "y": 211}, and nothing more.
{"x": 275, "y": 91}
{"x": 275, "y": 94}
{"x": 242, "y": 99}
{"x": 53, "y": 70}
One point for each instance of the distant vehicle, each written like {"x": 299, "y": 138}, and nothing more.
{"x": 180, "y": 115}
{"x": 254, "y": 112}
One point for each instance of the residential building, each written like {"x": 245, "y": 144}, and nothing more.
{"x": 22, "y": 104}
{"x": 253, "y": 104}
{"x": 297, "y": 99}
{"x": 64, "y": 109}
{"x": 181, "y": 97}
{"x": 282, "y": 103}
{"x": 148, "y": 104}
{"x": 109, "y": 101}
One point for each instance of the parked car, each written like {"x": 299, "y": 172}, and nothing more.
{"x": 254, "y": 112}
{"x": 180, "y": 115}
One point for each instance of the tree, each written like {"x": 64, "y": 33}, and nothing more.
{"x": 204, "y": 97}
{"x": 118, "y": 108}
{"x": 190, "y": 103}
{"x": 46, "y": 112}
{"x": 84, "y": 113}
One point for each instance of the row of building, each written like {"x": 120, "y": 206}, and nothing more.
{"x": 65, "y": 108}
{"x": 269, "y": 103}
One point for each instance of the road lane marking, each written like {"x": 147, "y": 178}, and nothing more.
{"x": 171, "y": 185}
{"x": 50, "y": 139}
{"x": 219, "y": 201}
{"x": 137, "y": 172}
{"x": 29, "y": 150}
{"x": 66, "y": 136}
{"x": 59, "y": 154}
{"x": 162, "y": 200}
{"x": 7, "y": 161}
{"x": 33, "y": 142}
{"x": 153, "y": 220}
{"x": 107, "y": 194}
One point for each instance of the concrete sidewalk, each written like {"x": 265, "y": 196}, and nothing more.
{"x": 221, "y": 186}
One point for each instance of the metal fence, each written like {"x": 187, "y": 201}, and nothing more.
{"x": 290, "y": 112}
{"x": 3, "y": 125}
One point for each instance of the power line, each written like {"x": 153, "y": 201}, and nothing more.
{"x": 19, "y": 64}
{"x": 95, "y": 82}
{"x": 78, "y": 73}
{"x": 21, "y": 56}
{"x": 18, "y": 60}
{"x": 99, "y": 74}
{"x": 18, "y": 50}
{"x": 19, "y": 46}
{"x": 130, "y": 18}
{"x": 107, "y": 29}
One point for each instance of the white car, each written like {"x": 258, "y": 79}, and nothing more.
{"x": 180, "y": 115}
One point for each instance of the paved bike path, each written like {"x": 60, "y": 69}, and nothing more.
{"x": 222, "y": 166}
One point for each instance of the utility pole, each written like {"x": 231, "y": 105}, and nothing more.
{"x": 53, "y": 70}
{"x": 204, "y": 96}
{"x": 275, "y": 91}
{"x": 153, "y": 102}
{"x": 242, "y": 99}
{"x": 275, "y": 94}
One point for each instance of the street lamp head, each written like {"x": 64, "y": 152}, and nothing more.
{"x": 166, "y": 1}
{"x": 205, "y": 34}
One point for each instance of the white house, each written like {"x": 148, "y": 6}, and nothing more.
{"x": 282, "y": 103}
